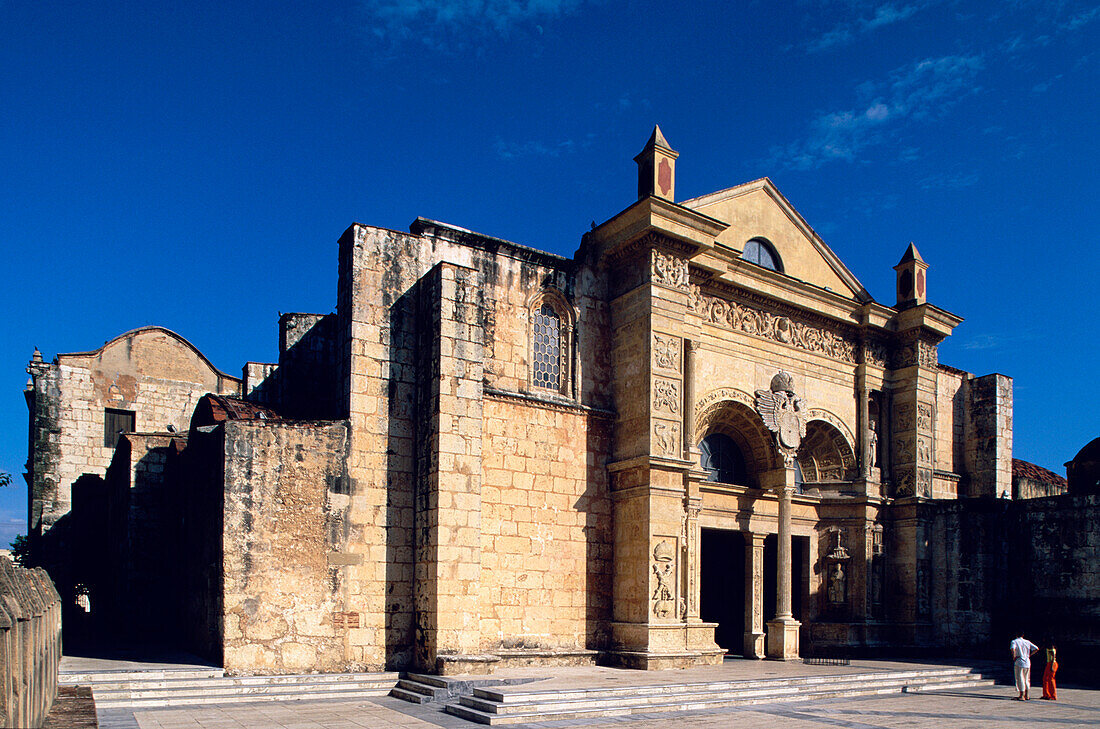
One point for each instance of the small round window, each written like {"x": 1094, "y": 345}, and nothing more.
{"x": 762, "y": 253}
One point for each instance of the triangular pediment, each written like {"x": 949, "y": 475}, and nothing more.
{"x": 758, "y": 210}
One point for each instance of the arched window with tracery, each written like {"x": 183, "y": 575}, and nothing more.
{"x": 551, "y": 344}
{"x": 546, "y": 368}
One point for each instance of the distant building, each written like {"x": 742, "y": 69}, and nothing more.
{"x": 700, "y": 434}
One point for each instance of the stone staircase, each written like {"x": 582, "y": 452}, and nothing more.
{"x": 497, "y": 706}
{"x": 423, "y": 688}
{"x": 189, "y": 687}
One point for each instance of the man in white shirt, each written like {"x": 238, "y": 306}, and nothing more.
{"x": 1022, "y": 648}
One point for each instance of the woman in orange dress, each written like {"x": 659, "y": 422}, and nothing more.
{"x": 1050, "y": 690}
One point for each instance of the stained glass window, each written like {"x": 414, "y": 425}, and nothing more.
{"x": 547, "y": 344}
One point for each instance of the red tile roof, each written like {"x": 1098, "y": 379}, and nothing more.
{"x": 1025, "y": 469}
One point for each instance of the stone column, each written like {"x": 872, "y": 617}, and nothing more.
{"x": 690, "y": 349}
{"x": 783, "y": 631}
{"x": 754, "y": 595}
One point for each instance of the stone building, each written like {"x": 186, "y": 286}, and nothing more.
{"x": 698, "y": 435}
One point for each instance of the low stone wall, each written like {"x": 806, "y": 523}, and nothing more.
{"x": 30, "y": 645}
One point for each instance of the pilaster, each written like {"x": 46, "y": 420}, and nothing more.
{"x": 754, "y": 595}
{"x": 448, "y": 493}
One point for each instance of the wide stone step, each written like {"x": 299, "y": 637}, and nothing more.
{"x": 84, "y": 678}
{"x": 549, "y": 705}
{"x": 220, "y": 681}
{"x": 692, "y": 697}
{"x": 196, "y": 700}
{"x": 506, "y": 696}
{"x": 303, "y": 687}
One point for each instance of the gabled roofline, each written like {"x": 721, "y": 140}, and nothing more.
{"x": 151, "y": 328}
{"x": 765, "y": 184}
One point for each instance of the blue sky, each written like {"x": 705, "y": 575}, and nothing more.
{"x": 192, "y": 164}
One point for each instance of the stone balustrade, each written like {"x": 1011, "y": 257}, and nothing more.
{"x": 30, "y": 645}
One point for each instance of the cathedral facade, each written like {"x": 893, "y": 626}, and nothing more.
{"x": 698, "y": 436}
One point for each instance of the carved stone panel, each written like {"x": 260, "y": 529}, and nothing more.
{"x": 666, "y": 352}
{"x": 666, "y": 396}
{"x": 666, "y": 438}
{"x": 663, "y": 598}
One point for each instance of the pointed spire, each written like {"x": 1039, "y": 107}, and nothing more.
{"x": 37, "y": 356}
{"x": 911, "y": 254}
{"x": 912, "y": 282}
{"x": 657, "y": 168}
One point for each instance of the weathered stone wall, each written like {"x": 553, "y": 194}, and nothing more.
{"x": 152, "y": 372}
{"x": 30, "y": 645}
{"x": 381, "y": 317}
{"x": 989, "y": 436}
{"x": 949, "y": 434}
{"x": 285, "y": 517}
{"x": 1005, "y": 565}
{"x": 546, "y": 528}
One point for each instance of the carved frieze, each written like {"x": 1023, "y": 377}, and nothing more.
{"x": 875, "y": 352}
{"x": 666, "y": 352}
{"x": 775, "y": 327}
{"x": 666, "y": 396}
{"x": 666, "y": 438}
{"x": 669, "y": 270}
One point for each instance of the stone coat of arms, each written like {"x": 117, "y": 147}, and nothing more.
{"x": 784, "y": 413}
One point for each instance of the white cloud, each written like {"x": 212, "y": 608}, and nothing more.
{"x": 880, "y": 16}
{"x": 921, "y": 91}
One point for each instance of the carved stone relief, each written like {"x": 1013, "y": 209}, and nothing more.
{"x": 666, "y": 438}
{"x": 666, "y": 396}
{"x": 776, "y": 327}
{"x": 666, "y": 352}
{"x": 924, "y": 482}
{"x": 903, "y": 415}
{"x": 905, "y": 484}
{"x": 924, "y": 450}
{"x": 904, "y": 450}
{"x": 664, "y": 603}
{"x": 669, "y": 270}
{"x": 924, "y": 416}
{"x": 875, "y": 352}
{"x": 784, "y": 414}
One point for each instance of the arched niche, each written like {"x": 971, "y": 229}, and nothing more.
{"x": 826, "y": 455}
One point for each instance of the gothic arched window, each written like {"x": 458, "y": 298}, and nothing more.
{"x": 722, "y": 459}
{"x": 762, "y": 253}
{"x": 547, "y": 365}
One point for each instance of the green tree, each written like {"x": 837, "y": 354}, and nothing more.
{"x": 20, "y": 550}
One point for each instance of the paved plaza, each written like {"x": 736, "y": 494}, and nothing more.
{"x": 992, "y": 707}
{"x": 988, "y": 706}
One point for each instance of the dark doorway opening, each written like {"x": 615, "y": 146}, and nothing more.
{"x": 799, "y": 547}
{"x": 722, "y": 586}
